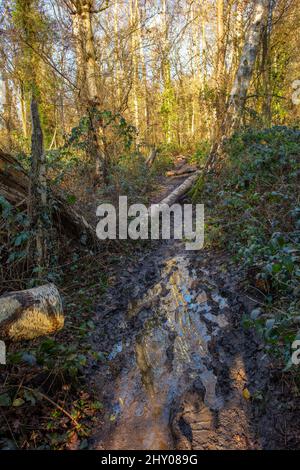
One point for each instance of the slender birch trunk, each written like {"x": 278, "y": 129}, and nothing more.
{"x": 242, "y": 79}
{"x": 246, "y": 65}
{"x": 135, "y": 62}
{"x": 7, "y": 110}
{"x": 266, "y": 67}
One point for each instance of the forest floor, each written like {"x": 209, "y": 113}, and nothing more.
{"x": 181, "y": 372}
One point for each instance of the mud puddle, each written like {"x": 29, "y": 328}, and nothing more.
{"x": 177, "y": 361}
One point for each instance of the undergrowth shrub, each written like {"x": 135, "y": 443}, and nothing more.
{"x": 253, "y": 209}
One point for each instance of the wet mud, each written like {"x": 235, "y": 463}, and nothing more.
{"x": 180, "y": 371}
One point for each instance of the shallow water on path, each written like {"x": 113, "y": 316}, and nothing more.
{"x": 162, "y": 340}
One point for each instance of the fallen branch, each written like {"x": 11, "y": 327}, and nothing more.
{"x": 182, "y": 170}
{"x": 45, "y": 397}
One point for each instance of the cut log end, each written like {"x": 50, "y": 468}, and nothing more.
{"x": 31, "y": 313}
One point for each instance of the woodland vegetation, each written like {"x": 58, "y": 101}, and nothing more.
{"x": 100, "y": 99}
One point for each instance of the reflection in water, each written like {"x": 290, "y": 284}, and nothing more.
{"x": 171, "y": 352}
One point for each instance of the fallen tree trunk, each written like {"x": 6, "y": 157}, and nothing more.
{"x": 169, "y": 200}
{"x": 180, "y": 190}
{"x": 31, "y": 313}
{"x": 14, "y": 186}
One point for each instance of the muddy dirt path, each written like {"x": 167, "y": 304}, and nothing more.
{"x": 180, "y": 371}
{"x": 179, "y": 364}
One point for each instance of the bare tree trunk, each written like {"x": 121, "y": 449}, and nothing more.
{"x": 195, "y": 66}
{"x": 82, "y": 12}
{"x": 166, "y": 75}
{"x": 117, "y": 74}
{"x": 7, "y": 111}
{"x": 242, "y": 80}
{"x": 246, "y": 66}
{"x": 220, "y": 100}
{"x": 204, "y": 49}
{"x": 239, "y": 27}
{"x": 135, "y": 62}
{"x": 23, "y": 110}
{"x": 38, "y": 191}
{"x": 79, "y": 55}
{"x": 90, "y": 55}
{"x": 143, "y": 66}
{"x": 152, "y": 156}
{"x": 206, "y": 116}
{"x": 92, "y": 90}
{"x": 266, "y": 67}
{"x": 220, "y": 39}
